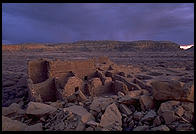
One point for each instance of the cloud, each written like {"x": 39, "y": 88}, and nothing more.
{"x": 57, "y": 22}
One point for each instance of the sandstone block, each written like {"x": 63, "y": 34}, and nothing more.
{"x": 12, "y": 125}
{"x": 124, "y": 109}
{"x": 82, "y": 112}
{"x": 160, "y": 128}
{"x": 39, "y": 109}
{"x": 167, "y": 90}
{"x": 111, "y": 118}
{"x": 35, "y": 127}
{"x": 146, "y": 102}
{"x": 14, "y": 108}
{"x": 100, "y": 103}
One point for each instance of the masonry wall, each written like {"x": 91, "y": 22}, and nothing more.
{"x": 49, "y": 76}
{"x": 38, "y": 70}
{"x": 60, "y": 70}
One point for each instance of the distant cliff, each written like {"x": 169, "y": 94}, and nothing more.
{"x": 142, "y": 45}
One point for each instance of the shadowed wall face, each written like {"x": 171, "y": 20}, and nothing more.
{"x": 38, "y": 71}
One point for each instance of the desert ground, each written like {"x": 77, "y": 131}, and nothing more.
{"x": 146, "y": 67}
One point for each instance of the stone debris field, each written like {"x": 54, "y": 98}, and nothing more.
{"x": 97, "y": 94}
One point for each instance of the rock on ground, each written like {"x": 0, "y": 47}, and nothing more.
{"x": 141, "y": 128}
{"x": 149, "y": 117}
{"x": 188, "y": 89}
{"x": 100, "y": 103}
{"x": 146, "y": 102}
{"x": 12, "y": 125}
{"x": 35, "y": 127}
{"x": 111, "y": 119}
{"x": 14, "y": 108}
{"x": 39, "y": 109}
{"x": 124, "y": 109}
{"x": 167, "y": 90}
{"x": 82, "y": 112}
{"x": 160, "y": 128}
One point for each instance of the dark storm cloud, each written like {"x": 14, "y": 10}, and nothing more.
{"x": 114, "y": 21}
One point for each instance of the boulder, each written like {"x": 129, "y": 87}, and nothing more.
{"x": 100, "y": 103}
{"x": 143, "y": 77}
{"x": 189, "y": 116}
{"x": 188, "y": 106}
{"x": 35, "y": 127}
{"x": 39, "y": 109}
{"x": 126, "y": 81}
{"x": 141, "y": 128}
{"x": 167, "y": 90}
{"x": 111, "y": 119}
{"x": 80, "y": 111}
{"x": 169, "y": 116}
{"x": 80, "y": 126}
{"x": 146, "y": 92}
{"x": 128, "y": 100}
{"x": 137, "y": 115}
{"x": 57, "y": 104}
{"x": 160, "y": 128}
{"x": 124, "y": 109}
{"x": 149, "y": 117}
{"x": 92, "y": 123}
{"x": 184, "y": 127}
{"x": 119, "y": 86}
{"x": 12, "y": 125}
{"x": 146, "y": 102}
{"x": 141, "y": 84}
{"x": 167, "y": 106}
{"x": 188, "y": 89}
{"x": 89, "y": 129}
{"x": 157, "y": 121}
{"x": 167, "y": 111}
{"x": 179, "y": 111}
{"x": 77, "y": 96}
{"x": 14, "y": 108}
{"x": 73, "y": 84}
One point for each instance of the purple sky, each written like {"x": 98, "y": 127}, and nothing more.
{"x": 97, "y": 21}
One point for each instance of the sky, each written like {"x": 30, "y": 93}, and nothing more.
{"x": 69, "y": 22}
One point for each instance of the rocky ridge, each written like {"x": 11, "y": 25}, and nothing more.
{"x": 141, "y": 45}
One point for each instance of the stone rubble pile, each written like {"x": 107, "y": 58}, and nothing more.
{"x": 109, "y": 98}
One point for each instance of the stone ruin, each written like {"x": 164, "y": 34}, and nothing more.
{"x": 98, "y": 95}
{"x": 51, "y": 80}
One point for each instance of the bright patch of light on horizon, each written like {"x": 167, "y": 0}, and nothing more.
{"x": 186, "y": 46}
